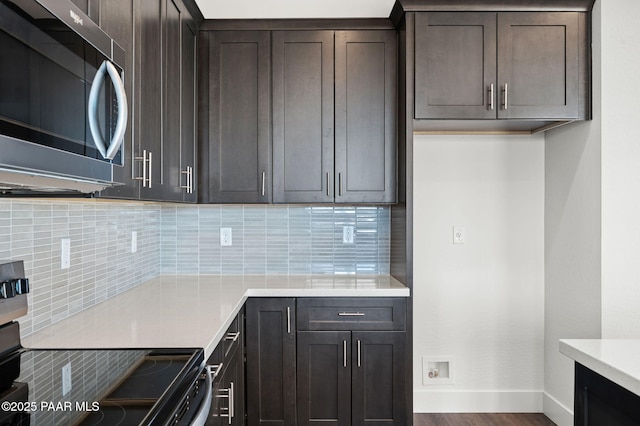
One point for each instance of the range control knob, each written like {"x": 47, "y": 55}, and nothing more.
{"x": 7, "y": 290}
{"x": 22, "y": 285}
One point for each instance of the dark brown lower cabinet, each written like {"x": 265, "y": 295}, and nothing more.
{"x": 599, "y": 401}
{"x": 324, "y": 378}
{"x": 351, "y": 378}
{"x": 227, "y": 362}
{"x": 271, "y": 361}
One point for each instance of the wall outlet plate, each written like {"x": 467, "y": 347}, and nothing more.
{"x": 348, "y": 234}
{"x": 65, "y": 253}
{"x": 66, "y": 379}
{"x": 226, "y": 237}
{"x": 459, "y": 234}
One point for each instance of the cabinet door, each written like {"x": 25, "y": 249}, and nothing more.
{"x": 148, "y": 97}
{"x": 378, "y": 384}
{"x": 455, "y": 65}
{"x": 538, "y": 65}
{"x": 239, "y": 119}
{"x": 188, "y": 169}
{"x": 324, "y": 378}
{"x": 169, "y": 161}
{"x": 271, "y": 361}
{"x": 365, "y": 114}
{"x": 116, "y": 19}
{"x": 303, "y": 134}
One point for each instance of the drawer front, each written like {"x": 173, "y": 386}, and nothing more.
{"x": 351, "y": 314}
{"x": 232, "y": 337}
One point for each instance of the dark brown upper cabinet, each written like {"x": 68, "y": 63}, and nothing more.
{"x": 365, "y": 116}
{"x": 236, "y": 121}
{"x": 303, "y": 122}
{"x": 334, "y": 116}
{"x": 159, "y": 38}
{"x": 500, "y": 65}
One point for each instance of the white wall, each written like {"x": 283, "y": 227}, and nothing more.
{"x": 572, "y": 255}
{"x": 592, "y": 208}
{"x": 620, "y": 169}
{"x": 481, "y": 302}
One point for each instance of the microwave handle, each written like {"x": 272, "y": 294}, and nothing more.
{"x": 123, "y": 114}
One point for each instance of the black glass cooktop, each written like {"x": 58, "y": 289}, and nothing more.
{"x": 94, "y": 387}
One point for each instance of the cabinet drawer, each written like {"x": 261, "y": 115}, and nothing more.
{"x": 351, "y": 314}
{"x": 232, "y": 337}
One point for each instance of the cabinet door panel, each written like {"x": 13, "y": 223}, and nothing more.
{"x": 149, "y": 97}
{"x": 189, "y": 112}
{"x": 172, "y": 103}
{"x": 116, "y": 19}
{"x": 538, "y": 57}
{"x": 324, "y": 378}
{"x": 378, "y": 378}
{"x": 365, "y": 111}
{"x": 303, "y": 135}
{"x": 239, "y": 132}
{"x": 455, "y": 65}
{"x": 271, "y": 361}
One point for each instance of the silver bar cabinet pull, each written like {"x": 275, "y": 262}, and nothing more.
{"x": 263, "y": 179}
{"x": 150, "y": 164}
{"x": 491, "y": 96}
{"x": 288, "y": 320}
{"x": 506, "y": 96}
{"x": 351, "y": 314}
{"x": 187, "y": 180}
{"x": 328, "y": 184}
{"x": 340, "y": 184}
{"x": 214, "y": 369}
{"x": 359, "y": 353}
{"x": 190, "y": 180}
{"x": 144, "y": 168}
{"x": 231, "y": 403}
{"x": 344, "y": 353}
{"x": 232, "y": 336}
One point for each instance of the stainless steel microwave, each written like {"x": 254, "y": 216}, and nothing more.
{"x": 63, "y": 108}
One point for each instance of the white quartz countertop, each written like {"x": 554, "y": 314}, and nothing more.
{"x": 193, "y": 310}
{"x": 617, "y": 360}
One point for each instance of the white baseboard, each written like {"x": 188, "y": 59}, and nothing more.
{"x": 558, "y": 413}
{"x": 477, "y": 401}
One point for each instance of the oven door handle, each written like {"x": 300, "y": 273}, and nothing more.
{"x": 123, "y": 114}
{"x": 203, "y": 412}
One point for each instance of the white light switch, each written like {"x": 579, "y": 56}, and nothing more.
{"x": 134, "y": 241}
{"x": 226, "y": 237}
{"x": 65, "y": 253}
{"x": 459, "y": 234}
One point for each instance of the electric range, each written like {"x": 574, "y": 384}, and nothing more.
{"x": 93, "y": 386}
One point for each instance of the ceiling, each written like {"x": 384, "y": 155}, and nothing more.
{"x": 274, "y": 9}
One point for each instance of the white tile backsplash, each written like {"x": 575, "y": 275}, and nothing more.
{"x": 175, "y": 239}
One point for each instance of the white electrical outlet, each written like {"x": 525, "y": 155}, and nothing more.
{"x": 134, "y": 241}
{"x": 226, "y": 238}
{"x": 347, "y": 234}
{"x": 65, "y": 253}
{"x": 459, "y": 234}
{"x": 66, "y": 379}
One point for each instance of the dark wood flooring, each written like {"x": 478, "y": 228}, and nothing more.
{"x": 482, "y": 419}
